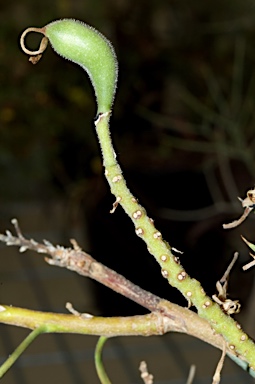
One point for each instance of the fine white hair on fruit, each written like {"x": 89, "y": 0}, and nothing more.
{"x": 87, "y": 47}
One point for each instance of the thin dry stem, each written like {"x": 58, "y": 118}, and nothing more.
{"x": 229, "y": 306}
{"x": 43, "y": 44}
{"x": 145, "y": 375}
{"x": 192, "y": 373}
{"x": 72, "y": 310}
{"x": 237, "y": 222}
{"x": 225, "y": 277}
{"x": 216, "y": 376}
{"x": 35, "y": 56}
{"x": 250, "y": 264}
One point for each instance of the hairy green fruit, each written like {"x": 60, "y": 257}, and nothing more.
{"x": 88, "y": 48}
{"x": 85, "y": 46}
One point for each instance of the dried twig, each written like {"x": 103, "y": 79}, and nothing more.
{"x": 248, "y": 204}
{"x": 72, "y": 310}
{"x": 250, "y": 264}
{"x": 145, "y": 375}
{"x": 82, "y": 263}
{"x": 225, "y": 277}
{"x": 216, "y": 376}
{"x": 229, "y": 306}
{"x": 192, "y": 373}
{"x": 252, "y": 246}
{"x": 237, "y": 222}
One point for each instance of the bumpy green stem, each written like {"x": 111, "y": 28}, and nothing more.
{"x": 87, "y": 47}
{"x": 171, "y": 268}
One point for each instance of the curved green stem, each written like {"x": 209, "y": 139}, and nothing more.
{"x": 98, "y": 361}
{"x": 20, "y": 349}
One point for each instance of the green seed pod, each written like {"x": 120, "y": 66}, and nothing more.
{"x": 88, "y": 48}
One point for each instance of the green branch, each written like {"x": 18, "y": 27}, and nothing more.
{"x": 171, "y": 268}
{"x": 20, "y": 349}
{"x": 143, "y": 325}
{"x": 98, "y": 361}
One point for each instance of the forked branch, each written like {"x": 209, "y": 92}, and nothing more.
{"x": 175, "y": 318}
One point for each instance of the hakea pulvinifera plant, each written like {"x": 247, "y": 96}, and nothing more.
{"x": 88, "y": 48}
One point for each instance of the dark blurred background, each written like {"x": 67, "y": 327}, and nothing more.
{"x": 183, "y": 129}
